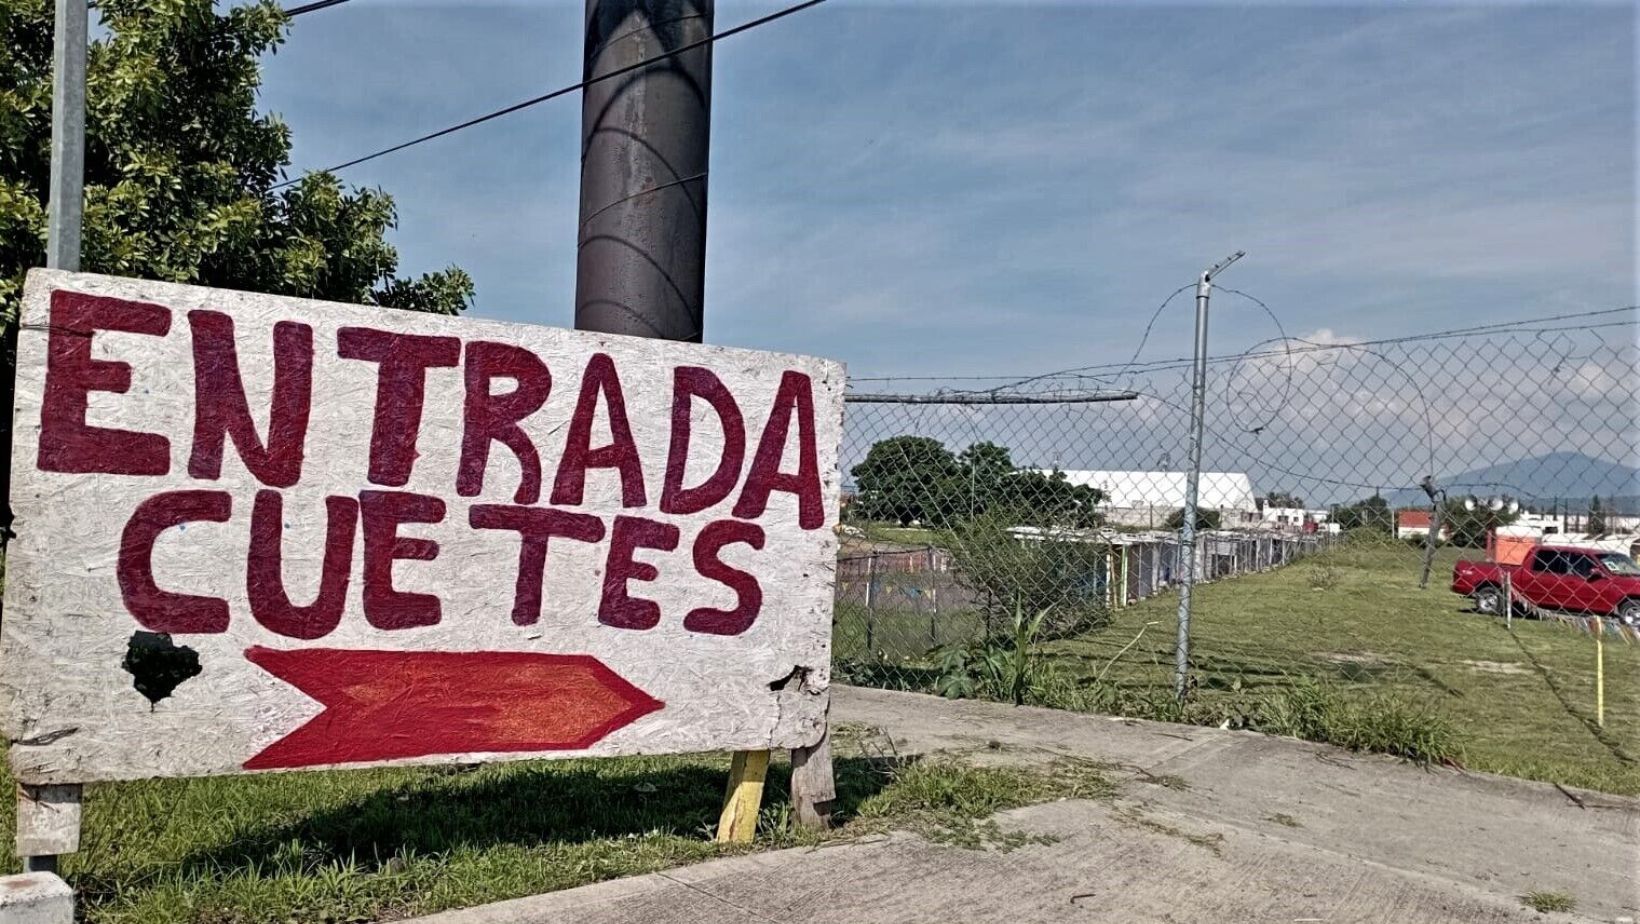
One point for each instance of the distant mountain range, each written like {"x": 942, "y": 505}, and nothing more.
{"x": 1568, "y": 477}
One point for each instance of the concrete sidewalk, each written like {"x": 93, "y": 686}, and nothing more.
{"x": 1211, "y": 826}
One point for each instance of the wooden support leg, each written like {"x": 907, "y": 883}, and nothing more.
{"x": 48, "y": 825}
{"x": 814, "y": 789}
{"x": 744, "y": 797}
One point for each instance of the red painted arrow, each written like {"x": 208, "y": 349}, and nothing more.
{"x": 388, "y": 705}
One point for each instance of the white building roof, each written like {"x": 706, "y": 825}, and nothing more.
{"x": 1217, "y": 490}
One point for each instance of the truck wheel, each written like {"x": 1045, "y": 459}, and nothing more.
{"x": 1628, "y": 613}
{"x": 1488, "y": 601}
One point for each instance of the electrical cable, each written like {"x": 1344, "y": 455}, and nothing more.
{"x": 311, "y": 7}
{"x": 563, "y": 91}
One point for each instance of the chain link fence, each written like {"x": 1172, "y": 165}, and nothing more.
{"x": 1441, "y": 523}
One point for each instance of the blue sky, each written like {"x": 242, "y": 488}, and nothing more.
{"x": 963, "y": 189}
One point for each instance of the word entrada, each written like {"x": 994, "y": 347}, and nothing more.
{"x": 746, "y": 469}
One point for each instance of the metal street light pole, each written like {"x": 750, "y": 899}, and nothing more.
{"x": 1437, "y": 502}
{"x": 64, "y": 208}
{"x": 67, "y": 197}
{"x": 1187, "y": 529}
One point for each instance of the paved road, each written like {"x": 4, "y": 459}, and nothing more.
{"x": 1262, "y": 830}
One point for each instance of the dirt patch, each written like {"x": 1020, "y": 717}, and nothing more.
{"x": 1495, "y": 667}
{"x": 1342, "y": 657}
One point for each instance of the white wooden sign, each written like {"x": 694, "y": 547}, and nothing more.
{"x": 262, "y": 533}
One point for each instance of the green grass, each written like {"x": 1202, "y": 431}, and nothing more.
{"x": 950, "y": 802}
{"x": 904, "y": 535}
{"x": 1341, "y": 647}
{"x": 382, "y": 844}
{"x": 1545, "y": 902}
{"x": 1353, "y": 621}
{"x": 899, "y": 635}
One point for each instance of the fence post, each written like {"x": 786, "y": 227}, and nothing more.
{"x": 1508, "y": 602}
{"x": 934, "y": 599}
{"x": 871, "y": 604}
{"x": 1434, "y": 536}
{"x": 1600, "y": 671}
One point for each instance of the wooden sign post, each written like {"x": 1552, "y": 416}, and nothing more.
{"x": 259, "y": 533}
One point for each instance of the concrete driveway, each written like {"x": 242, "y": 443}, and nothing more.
{"x": 1211, "y": 826}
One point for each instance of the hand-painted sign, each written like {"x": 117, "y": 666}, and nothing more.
{"x": 261, "y": 533}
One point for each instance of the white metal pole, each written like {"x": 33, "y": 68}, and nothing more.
{"x": 1187, "y": 529}
{"x": 64, "y": 209}
{"x": 67, "y": 197}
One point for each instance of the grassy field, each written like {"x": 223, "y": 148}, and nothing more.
{"x": 1523, "y": 700}
{"x": 332, "y": 847}
{"x": 1353, "y": 619}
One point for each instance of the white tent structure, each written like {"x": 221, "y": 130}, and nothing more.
{"x": 1149, "y": 498}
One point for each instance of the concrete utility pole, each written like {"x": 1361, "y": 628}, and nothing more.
{"x": 640, "y": 265}
{"x": 1187, "y": 529}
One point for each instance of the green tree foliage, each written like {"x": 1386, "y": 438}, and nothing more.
{"x": 1597, "y": 517}
{"x": 906, "y": 479}
{"x": 181, "y": 169}
{"x": 1283, "y": 499}
{"x": 1205, "y": 519}
{"x": 1370, "y": 515}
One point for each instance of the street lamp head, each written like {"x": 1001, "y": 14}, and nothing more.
{"x": 1219, "y": 267}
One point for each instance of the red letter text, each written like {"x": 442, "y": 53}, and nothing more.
{"x": 67, "y": 442}
{"x": 536, "y": 526}
{"x": 401, "y": 387}
{"x": 383, "y": 512}
{"x": 265, "y": 577}
{"x": 748, "y": 594}
{"x": 220, "y": 408}
{"x": 494, "y": 418}
{"x": 630, "y": 534}
{"x": 164, "y": 610}
{"x": 795, "y": 394}
{"x": 689, "y": 382}
{"x": 621, "y": 454}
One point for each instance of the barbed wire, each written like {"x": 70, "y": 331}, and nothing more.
{"x": 1523, "y": 325}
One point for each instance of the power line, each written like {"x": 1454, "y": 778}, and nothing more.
{"x": 533, "y": 101}
{"x": 310, "y": 7}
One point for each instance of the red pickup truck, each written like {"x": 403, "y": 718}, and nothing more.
{"x": 1587, "y": 581}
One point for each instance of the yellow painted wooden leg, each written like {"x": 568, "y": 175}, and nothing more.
{"x": 744, "y": 797}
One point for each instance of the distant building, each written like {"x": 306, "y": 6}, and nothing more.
{"x": 1147, "y": 499}
{"x": 1293, "y": 519}
{"x": 1542, "y": 524}
{"x": 1412, "y": 523}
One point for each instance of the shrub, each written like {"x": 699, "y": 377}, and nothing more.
{"x": 1323, "y": 576}
{"x": 1002, "y": 667}
{"x": 1062, "y": 578}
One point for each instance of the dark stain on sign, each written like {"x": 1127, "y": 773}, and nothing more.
{"x": 157, "y": 666}
{"x": 796, "y": 681}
